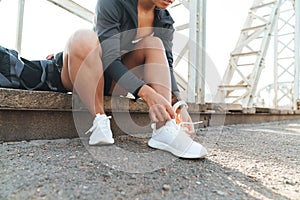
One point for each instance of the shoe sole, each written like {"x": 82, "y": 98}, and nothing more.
{"x": 102, "y": 143}
{"x": 162, "y": 146}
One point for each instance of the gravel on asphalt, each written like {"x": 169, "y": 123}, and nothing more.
{"x": 259, "y": 161}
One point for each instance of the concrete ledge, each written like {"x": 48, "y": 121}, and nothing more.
{"x": 224, "y": 107}
{"x": 24, "y": 99}
{"x": 45, "y": 100}
{"x": 28, "y": 115}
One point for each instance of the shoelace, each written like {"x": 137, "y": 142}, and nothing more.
{"x": 153, "y": 125}
{"x": 169, "y": 128}
{"x": 95, "y": 124}
{"x": 181, "y": 125}
{"x": 192, "y": 123}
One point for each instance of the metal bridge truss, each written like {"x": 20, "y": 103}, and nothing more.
{"x": 194, "y": 84}
{"x": 265, "y": 19}
{"x": 284, "y": 58}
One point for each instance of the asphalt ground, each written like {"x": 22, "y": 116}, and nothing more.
{"x": 259, "y": 161}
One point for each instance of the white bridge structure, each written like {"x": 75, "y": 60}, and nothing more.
{"x": 268, "y": 21}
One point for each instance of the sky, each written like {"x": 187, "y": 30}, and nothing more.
{"x": 47, "y": 27}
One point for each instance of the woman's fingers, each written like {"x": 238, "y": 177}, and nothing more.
{"x": 158, "y": 113}
{"x": 190, "y": 129}
{"x": 160, "y": 109}
{"x": 186, "y": 121}
{"x": 170, "y": 111}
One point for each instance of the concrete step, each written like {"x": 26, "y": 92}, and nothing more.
{"x": 35, "y": 115}
{"x": 28, "y": 115}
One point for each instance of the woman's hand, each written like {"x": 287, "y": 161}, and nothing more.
{"x": 160, "y": 110}
{"x": 183, "y": 118}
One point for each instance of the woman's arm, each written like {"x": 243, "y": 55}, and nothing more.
{"x": 160, "y": 109}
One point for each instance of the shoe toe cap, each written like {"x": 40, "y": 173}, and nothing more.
{"x": 196, "y": 150}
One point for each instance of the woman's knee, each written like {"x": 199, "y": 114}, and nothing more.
{"x": 82, "y": 42}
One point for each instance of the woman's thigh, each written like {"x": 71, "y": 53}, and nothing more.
{"x": 77, "y": 48}
{"x": 65, "y": 73}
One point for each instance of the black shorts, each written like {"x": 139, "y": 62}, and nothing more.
{"x": 58, "y": 64}
{"x": 107, "y": 84}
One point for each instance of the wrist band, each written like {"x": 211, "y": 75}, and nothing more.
{"x": 179, "y": 104}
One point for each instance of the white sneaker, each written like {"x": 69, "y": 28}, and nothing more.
{"x": 101, "y": 132}
{"x": 170, "y": 138}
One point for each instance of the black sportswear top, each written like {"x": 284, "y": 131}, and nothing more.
{"x": 116, "y": 24}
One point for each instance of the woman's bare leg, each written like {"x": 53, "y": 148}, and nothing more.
{"x": 82, "y": 69}
{"x": 150, "y": 59}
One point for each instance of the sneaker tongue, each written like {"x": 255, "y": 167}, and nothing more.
{"x": 168, "y": 123}
{"x": 101, "y": 118}
{"x": 172, "y": 122}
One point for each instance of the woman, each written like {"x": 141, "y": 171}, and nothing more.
{"x": 134, "y": 55}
